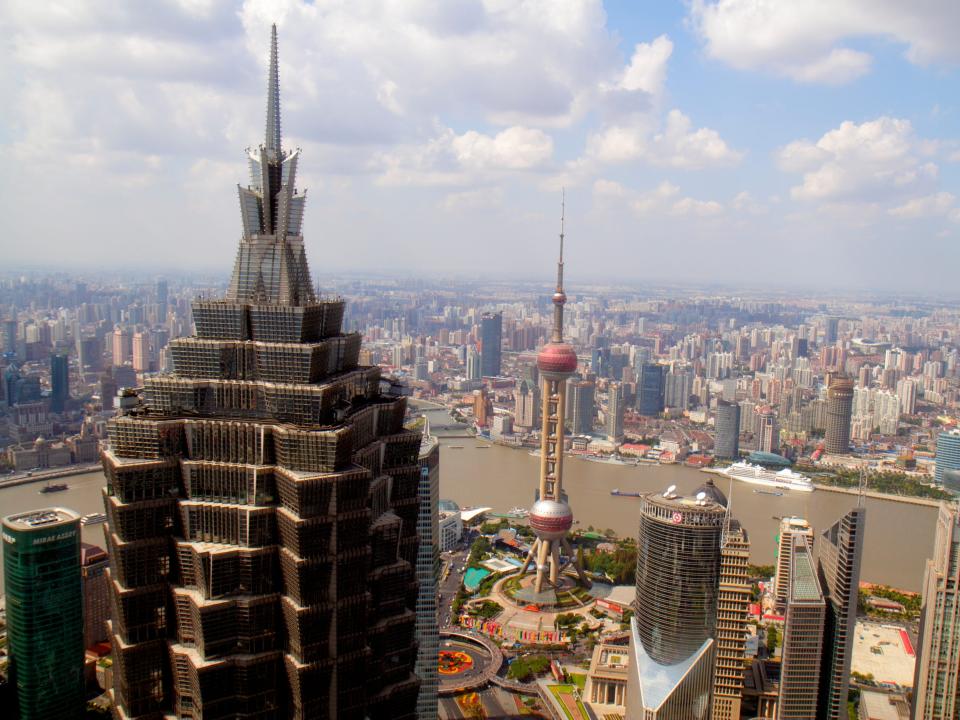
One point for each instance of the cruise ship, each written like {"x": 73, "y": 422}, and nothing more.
{"x": 785, "y": 479}
{"x": 93, "y": 519}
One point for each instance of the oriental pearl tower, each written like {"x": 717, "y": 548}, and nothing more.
{"x": 551, "y": 517}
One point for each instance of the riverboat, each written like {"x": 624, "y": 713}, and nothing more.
{"x": 93, "y": 519}
{"x": 54, "y": 487}
{"x": 518, "y": 512}
{"x": 623, "y": 493}
{"x": 769, "y": 492}
{"x": 785, "y": 479}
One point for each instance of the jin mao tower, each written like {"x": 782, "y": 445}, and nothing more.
{"x": 262, "y": 499}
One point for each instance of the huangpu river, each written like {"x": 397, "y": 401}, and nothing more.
{"x": 899, "y": 535}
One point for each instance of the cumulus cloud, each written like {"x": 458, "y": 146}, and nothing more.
{"x": 665, "y": 200}
{"x": 936, "y": 205}
{"x": 647, "y": 70}
{"x": 676, "y": 144}
{"x": 451, "y": 159}
{"x": 804, "y": 41}
{"x": 874, "y": 160}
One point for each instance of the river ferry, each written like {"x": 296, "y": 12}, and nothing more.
{"x": 93, "y": 519}
{"x": 623, "y": 493}
{"x": 54, "y": 487}
{"x": 785, "y": 479}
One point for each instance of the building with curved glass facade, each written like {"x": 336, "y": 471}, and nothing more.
{"x": 947, "y": 468}
{"x": 675, "y": 612}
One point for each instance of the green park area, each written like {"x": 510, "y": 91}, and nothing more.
{"x": 573, "y": 708}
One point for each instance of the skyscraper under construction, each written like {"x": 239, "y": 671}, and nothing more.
{"x": 262, "y": 500}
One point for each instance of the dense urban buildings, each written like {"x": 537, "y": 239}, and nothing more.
{"x": 675, "y": 613}
{"x": 263, "y": 500}
{"x": 936, "y": 687}
{"x": 41, "y": 574}
{"x": 839, "y": 410}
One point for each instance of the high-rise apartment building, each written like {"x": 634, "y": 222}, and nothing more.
{"x": 936, "y": 685}
{"x": 580, "y": 406}
{"x": 59, "y": 381}
{"x": 733, "y": 606}
{"x": 947, "y": 468}
{"x": 800, "y": 667}
{"x": 830, "y": 328}
{"x": 768, "y": 433}
{"x": 263, "y": 500}
{"x": 789, "y": 528}
{"x": 526, "y": 405}
{"x": 428, "y": 574}
{"x": 141, "y": 353}
{"x": 650, "y": 389}
{"x": 491, "y": 339}
{"x": 839, "y": 412}
{"x": 122, "y": 346}
{"x": 839, "y": 553}
{"x": 673, "y": 629}
{"x": 474, "y": 371}
{"x": 161, "y": 295}
{"x": 41, "y": 575}
{"x": 96, "y": 593}
{"x": 614, "y": 418}
{"x": 678, "y": 386}
{"x": 727, "y": 426}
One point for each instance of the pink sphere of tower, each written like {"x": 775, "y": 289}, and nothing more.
{"x": 557, "y": 358}
{"x": 550, "y": 519}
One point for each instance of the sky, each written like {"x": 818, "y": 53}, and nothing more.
{"x": 753, "y": 142}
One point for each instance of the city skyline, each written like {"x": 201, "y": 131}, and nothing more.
{"x": 669, "y": 134}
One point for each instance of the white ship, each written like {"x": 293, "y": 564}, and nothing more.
{"x": 785, "y": 479}
{"x": 93, "y": 519}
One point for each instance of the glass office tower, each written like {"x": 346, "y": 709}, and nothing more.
{"x": 41, "y": 574}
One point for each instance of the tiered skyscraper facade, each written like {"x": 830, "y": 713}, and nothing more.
{"x": 491, "y": 342}
{"x": 263, "y": 500}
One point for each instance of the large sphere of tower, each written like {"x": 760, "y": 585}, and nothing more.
{"x": 558, "y": 359}
{"x": 551, "y": 519}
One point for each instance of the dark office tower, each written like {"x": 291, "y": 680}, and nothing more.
{"x": 801, "y": 669}
{"x": 840, "y": 550}
{"x": 96, "y": 593}
{"x": 263, "y": 500}
{"x": 581, "y": 406}
{"x": 798, "y": 347}
{"x": 839, "y": 409}
{"x": 41, "y": 574}
{"x": 59, "y": 381}
{"x": 650, "y": 389}
{"x": 161, "y": 300}
{"x": 733, "y": 606}
{"x": 727, "y": 443}
{"x": 491, "y": 334}
{"x": 937, "y": 676}
{"x": 428, "y": 574}
{"x": 675, "y": 613}
{"x": 10, "y": 336}
{"x": 830, "y": 330}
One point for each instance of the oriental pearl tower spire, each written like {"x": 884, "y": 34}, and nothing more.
{"x": 551, "y": 517}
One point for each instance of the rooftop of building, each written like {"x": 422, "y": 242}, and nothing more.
{"x": 804, "y": 586}
{"x": 879, "y": 705}
{"x": 768, "y": 458}
{"x": 40, "y": 519}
